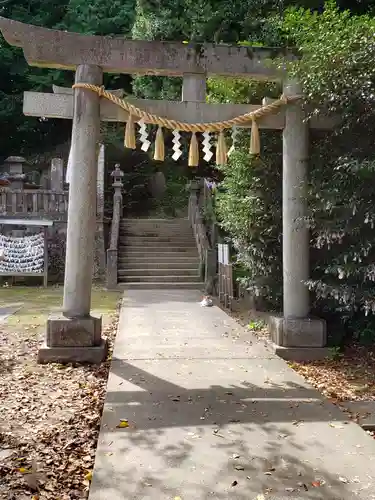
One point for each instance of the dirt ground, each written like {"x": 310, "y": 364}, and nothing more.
{"x": 49, "y": 414}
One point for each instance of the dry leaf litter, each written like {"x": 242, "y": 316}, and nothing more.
{"x": 49, "y": 420}
{"x": 346, "y": 376}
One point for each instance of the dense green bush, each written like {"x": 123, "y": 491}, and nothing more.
{"x": 337, "y": 72}
{"x": 248, "y": 206}
{"x": 338, "y": 76}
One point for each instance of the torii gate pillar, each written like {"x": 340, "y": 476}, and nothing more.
{"x": 75, "y": 335}
{"x": 295, "y": 334}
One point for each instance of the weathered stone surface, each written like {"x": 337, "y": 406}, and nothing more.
{"x": 70, "y": 91}
{"x": 301, "y": 353}
{"x": 364, "y": 411}
{"x": 74, "y": 332}
{"x": 118, "y": 55}
{"x": 100, "y": 260}
{"x": 304, "y": 332}
{"x": 100, "y": 183}
{"x": 294, "y": 207}
{"x": 297, "y": 332}
{"x": 194, "y": 88}
{"x": 61, "y": 106}
{"x": 57, "y": 175}
{"x": 157, "y": 185}
{"x": 111, "y": 269}
{"x": 90, "y": 355}
{"x": 82, "y": 197}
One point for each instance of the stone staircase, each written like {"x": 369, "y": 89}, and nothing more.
{"x": 158, "y": 253}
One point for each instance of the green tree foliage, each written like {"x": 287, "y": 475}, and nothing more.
{"x": 218, "y": 21}
{"x": 22, "y": 135}
{"x": 336, "y": 70}
{"x": 248, "y": 201}
{"x": 17, "y": 134}
{"x": 338, "y": 75}
{"x": 249, "y": 210}
{"x": 98, "y": 17}
{"x": 211, "y": 20}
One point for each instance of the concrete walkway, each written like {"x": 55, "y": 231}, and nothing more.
{"x": 213, "y": 414}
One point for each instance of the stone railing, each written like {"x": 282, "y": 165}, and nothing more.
{"x": 33, "y": 202}
{"x": 207, "y": 254}
{"x": 112, "y": 252}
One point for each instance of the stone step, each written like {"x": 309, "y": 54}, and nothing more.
{"x": 176, "y": 220}
{"x": 156, "y": 223}
{"x": 156, "y": 241}
{"x": 362, "y": 411}
{"x": 161, "y": 250}
{"x": 128, "y": 272}
{"x": 154, "y": 257}
{"x": 156, "y": 233}
{"x": 157, "y": 285}
{"x": 161, "y": 279}
{"x": 156, "y": 228}
{"x": 159, "y": 258}
{"x": 147, "y": 264}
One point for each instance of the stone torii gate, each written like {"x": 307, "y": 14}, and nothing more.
{"x": 75, "y": 335}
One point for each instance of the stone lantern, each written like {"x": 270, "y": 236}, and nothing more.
{"x": 13, "y": 166}
{"x": 117, "y": 176}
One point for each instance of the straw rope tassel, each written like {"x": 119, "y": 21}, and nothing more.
{"x": 159, "y": 154}
{"x": 255, "y": 139}
{"x": 221, "y": 149}
{"x": 129, "y": 141}
{"x": 193, "y": 151}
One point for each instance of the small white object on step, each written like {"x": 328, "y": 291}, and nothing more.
{"x": 207, "y": 301}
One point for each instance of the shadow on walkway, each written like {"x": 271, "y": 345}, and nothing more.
{"x": 218, "y": 427}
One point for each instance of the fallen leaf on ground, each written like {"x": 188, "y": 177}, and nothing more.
{"x": 350, "y": 377}
{"x": 297, "y": 422}
{"x": 123, "y": 424}
{"x": 336, "y": 426}
{"x": 88, "y": 476}
{"x": 24, "y": 471}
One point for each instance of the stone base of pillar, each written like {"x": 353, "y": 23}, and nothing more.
{"x": 301, "y": 353}
{"x": 299, "y": 339}
{"x": 73, "y": 340}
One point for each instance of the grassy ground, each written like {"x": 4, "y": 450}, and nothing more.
{"x": 38, "y": 303}
{"x": 49, "y": 414}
